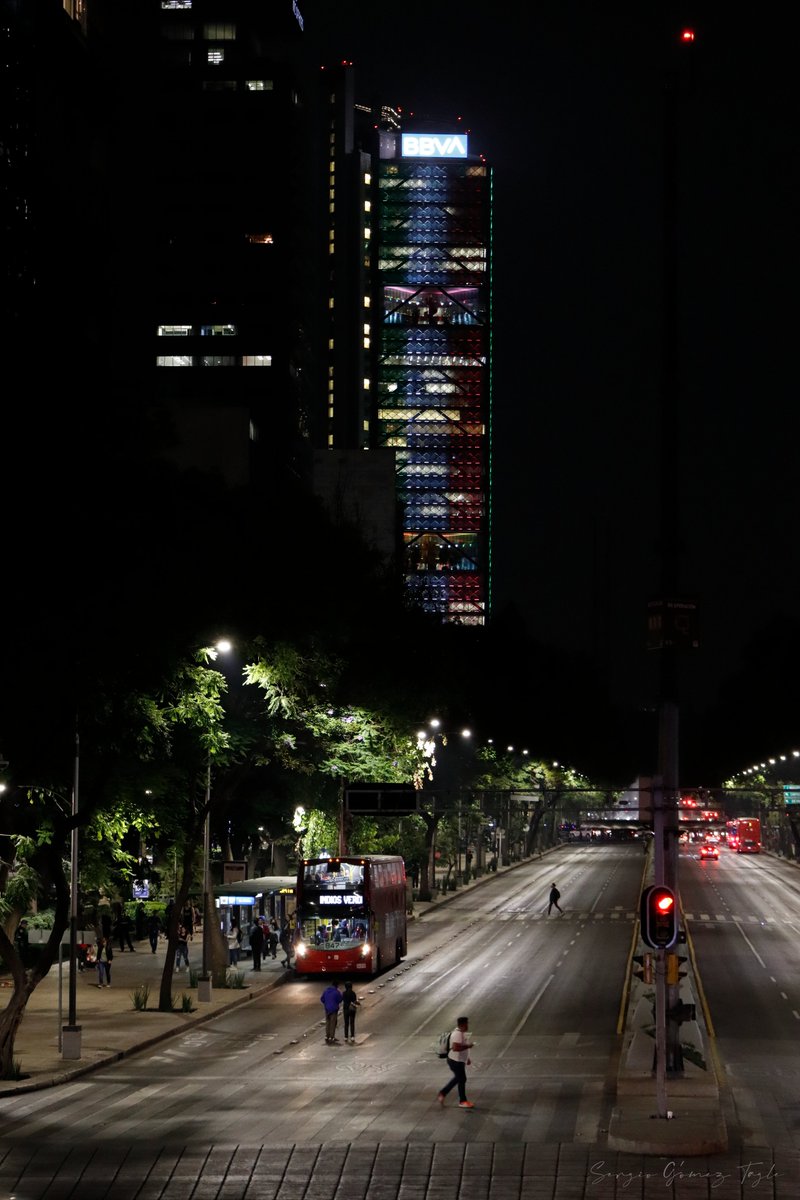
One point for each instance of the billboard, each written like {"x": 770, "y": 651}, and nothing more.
{"x": 433, "y": 145}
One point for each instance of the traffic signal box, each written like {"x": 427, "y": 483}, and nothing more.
{"x": 644, "y": 967}
{"x": 659, "y": 917}
{"x": 674, "y": 972}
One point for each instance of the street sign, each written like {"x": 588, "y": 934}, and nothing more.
{"x": 375, "y": 799}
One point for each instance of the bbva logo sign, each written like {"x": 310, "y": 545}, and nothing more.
{"x": 434, "y": 145}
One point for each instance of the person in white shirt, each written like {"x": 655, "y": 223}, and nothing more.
{"x": 458, "y": 1060}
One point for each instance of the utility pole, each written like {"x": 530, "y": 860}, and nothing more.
{"x": 671, "y": 624}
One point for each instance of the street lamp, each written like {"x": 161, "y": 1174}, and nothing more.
{"x": 205, "y": 991}
{"x": 71, "y": 1033}
{"x": 204, "y": 983}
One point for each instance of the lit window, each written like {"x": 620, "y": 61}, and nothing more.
{"x": 174, "y": 330}
{"x": 366, "y": 385}
{"x": 260, "y": 239}
{"x": 215, "y": 57}
{"x": 258, "y": 85}
{"x": 330, "y": 302}
{"x": 367, "y": 301}
{"x": 168, "y": 4}
{"x": 218, "y": 360}
{"x": 330, "y": 412}
{"x": 330, "y": 248}
{"x": 367, "y": 206}
{"x": 367, "y": 178}
{"x": 330, "y": 343}
{"x": 366, "y": 343}
{"x": 367, "y": 231}
{"x": 366, "y": 329}
{"x": 174, "y": 360}
{"x": 330, "y": 439}
{"x": 219, "y": 32}
{"x": 256, "y": 360}
{"x": 218, "y": 330}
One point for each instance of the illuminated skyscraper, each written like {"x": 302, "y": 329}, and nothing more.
{"x": 434, "y": 364}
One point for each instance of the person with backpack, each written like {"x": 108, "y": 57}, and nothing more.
{"x": 458, "y": 1060}
{"x": 555, "y": 896}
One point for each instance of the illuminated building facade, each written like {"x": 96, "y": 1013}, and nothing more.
{"x": 433, "y": 366}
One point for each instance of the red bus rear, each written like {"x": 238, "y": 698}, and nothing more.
{"x": 351, "y": 914}
{"x": 744, "y": 835}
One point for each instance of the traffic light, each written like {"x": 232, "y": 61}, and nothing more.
{"x": 659, "y": 917}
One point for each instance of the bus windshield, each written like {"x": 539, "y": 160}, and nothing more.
{"x": 351, "y": 914}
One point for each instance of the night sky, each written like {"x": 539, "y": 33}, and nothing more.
{"x": 566, "y": 101}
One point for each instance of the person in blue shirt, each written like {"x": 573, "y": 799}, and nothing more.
{"x": 332, "y": 1001}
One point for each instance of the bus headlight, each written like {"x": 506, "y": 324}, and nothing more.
{"x": 366, "y": 950}
{"x": 300, "y": 949}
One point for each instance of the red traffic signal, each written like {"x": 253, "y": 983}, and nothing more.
{"x": 659, "y": 917}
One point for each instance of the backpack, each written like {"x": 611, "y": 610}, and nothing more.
{"x": 556, "y": 894}
{"x": 443, "y": 1045}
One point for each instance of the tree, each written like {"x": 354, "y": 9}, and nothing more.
{"x": 32, "y": 868}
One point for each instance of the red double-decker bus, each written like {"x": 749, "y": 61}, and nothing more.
{"x": 351, "y": 914}
{"x": 743, "y": 834}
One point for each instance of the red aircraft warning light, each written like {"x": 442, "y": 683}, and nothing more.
{"x": 687, "y": 35}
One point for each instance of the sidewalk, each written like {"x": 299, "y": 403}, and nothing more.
{"x": 110, "y": 1025}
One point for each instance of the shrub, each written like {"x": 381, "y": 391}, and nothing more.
{"x": 234, "y": 979}
{"x": 140, "y": 997}
{"x": 186, "y": 1003}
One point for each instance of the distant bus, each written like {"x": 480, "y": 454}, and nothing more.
{"x": 351, "y": 914}
{"x": 744, "y": 835}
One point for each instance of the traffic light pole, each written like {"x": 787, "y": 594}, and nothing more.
{"x": 661, "y": 1034}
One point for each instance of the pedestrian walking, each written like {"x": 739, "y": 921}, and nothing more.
{"x": 350, "y": 1003}
{"x": 332, "y": 1001}
{"x": 182, "y": 949}
{"x": 555, "y": 896}
{"x": 154, "y": 930}
{"x": 256, "y": 940}
{"x": 103, "y": 956}
{"x": 458, "y": 1060}
{"x": 139, "y": 921}
{"x": 286, "y": 945}
{"x": 122, "y": 929}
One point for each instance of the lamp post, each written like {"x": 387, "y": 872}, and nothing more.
{"x": 71, "y": 1034}
{"x": 205, "y": 983}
